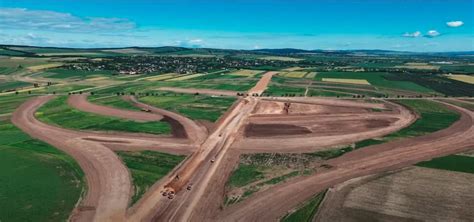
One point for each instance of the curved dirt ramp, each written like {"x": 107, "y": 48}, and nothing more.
{"x": 272, "y": 204}
{"x": 108, "y": 180}
{"x": 185, "y": 126}
{"x": 80, "y": 102}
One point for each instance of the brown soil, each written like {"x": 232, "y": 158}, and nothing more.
{"x": 407, "y": 195}
{"x": 328, "y": 128}
{"x": 258, "y": 130}
{"x": 192, "y": 130}
{"x": 262, "y": 84}
{"x": 274, "y": 203}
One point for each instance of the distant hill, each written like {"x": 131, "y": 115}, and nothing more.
{"x": 21, "y": 50}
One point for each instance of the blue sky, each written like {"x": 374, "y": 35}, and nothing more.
{"x": 407, "y": 25}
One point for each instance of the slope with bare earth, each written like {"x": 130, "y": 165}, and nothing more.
{"x": 273, "y": 203}
{"x": 193, "y": 131}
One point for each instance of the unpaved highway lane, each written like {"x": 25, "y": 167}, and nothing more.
{"x": 108, "y": 180}
{"x": 273, "y": 203}
{"x": 80, "y": 102}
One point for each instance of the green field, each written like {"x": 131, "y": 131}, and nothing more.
{"x": 377, "y": 79}
{"x": 466, "y": 105}
{"x": 256, "y": 171}
{"x": 274, "y": 90}
{"x": 37, "y": 181}
{"x": 195, "y": 107}
{"x": 9, "y": 103}
{"x": 147, "y": 167}
{"x": 433, "y": 117}
{"x": 306, "y": 212}
{"x": 7, "y": 70}
{"x": 458, "y": 163}
{"x": 57, "y": 112}
{"x": 245, "y": 174}
{"x": 4, "y": 86}
{"x": 113, "y": 101}
{"x": 59, "y": 73}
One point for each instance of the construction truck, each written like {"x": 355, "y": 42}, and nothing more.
{"x": 168, "y": 192}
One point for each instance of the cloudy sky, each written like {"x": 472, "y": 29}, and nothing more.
{"x": 406, "y": 25}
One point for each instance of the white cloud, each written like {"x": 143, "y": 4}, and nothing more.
{"x": 21, "y": 18}
{"x": 455, "y": 24}
{"x": 412, "y": 35}
{"x": 191, "y": 43}
{"x": 432, "y": 34}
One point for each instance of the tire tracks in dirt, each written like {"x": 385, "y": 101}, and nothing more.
{"x": 272, "y": 204}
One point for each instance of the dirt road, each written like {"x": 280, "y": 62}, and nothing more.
{"x": 80, "y": 102}
{"x": 262, "y": 84}
{"x": 193, "y": 131}
{"x": 108, "y": 180}
{"x": 200, "y": 167}
{"x": 325, "y": 134}
{"x": 273, "y": 203}
{"x": 215, "y": 156}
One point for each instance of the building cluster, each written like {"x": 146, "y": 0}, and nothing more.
{"x": 173, "y": 64}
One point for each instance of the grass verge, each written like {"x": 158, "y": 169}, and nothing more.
{"x": 57, "y": 112}
{"x": 113, "y": 101}
{"x": 147, "y": 167}
{"x": 195, "y": 107}
{"x": 306, "y": 212}
{"x": 456, "y": 163}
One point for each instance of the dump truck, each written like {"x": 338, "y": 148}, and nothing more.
{"x": 168, "y": 192}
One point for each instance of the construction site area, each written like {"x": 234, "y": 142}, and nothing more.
{"x": 196, "y": 190}
{"x": 291, "y": 144}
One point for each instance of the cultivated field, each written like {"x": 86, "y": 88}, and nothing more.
{"x": 293, "y": 74}
{"x": 349, "y": 81}
{"x": 280, "y": 58}
{"x": 463, "y": 78}
{"x": 415, "y": 65}
{"x": 245, "y": 73}
{"x": 404, "y": 196}
{"x": 186, "y": 77}
{"x": 45, "y": 66}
